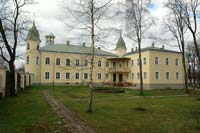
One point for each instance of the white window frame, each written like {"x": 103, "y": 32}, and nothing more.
{"x": 45, "y": 75}
{"x": 47, "y": 62}
{"x": 59, "y": 77}
{"x": 68, "y": 75}
{"x": 158, "y": 76}
{"x": 156, "y": 60}
{"x": 77, "y": 76}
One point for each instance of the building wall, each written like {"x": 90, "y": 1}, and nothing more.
{"x": 32, "y": 67}
{"x": 150, "y": 68}
{"x": 135, "y": 68}
{"x": 72, "y": 69}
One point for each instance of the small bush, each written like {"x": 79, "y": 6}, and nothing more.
{"x": 139, "y": 109}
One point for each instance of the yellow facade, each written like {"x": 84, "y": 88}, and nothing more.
{"x": 56, "y": 64}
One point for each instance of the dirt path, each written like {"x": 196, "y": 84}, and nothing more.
{"x": 71, "y": 122}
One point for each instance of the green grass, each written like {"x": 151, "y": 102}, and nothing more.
{"x": 26, "y": 113}
{"x": 112, "y": 112}
{"x": 115, "y": 113}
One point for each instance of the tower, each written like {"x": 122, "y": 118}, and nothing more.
{"x": 49, "y": 39}
{"x": 32, "y": 64}
{"x": 120, "y": 49}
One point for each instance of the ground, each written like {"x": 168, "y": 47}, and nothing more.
{"x": 175, "y": 112}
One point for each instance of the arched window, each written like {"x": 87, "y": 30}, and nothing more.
{"x": 28, "y": 46}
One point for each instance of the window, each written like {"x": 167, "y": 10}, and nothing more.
{"x": 132, "y": 62}
{"x": 47, "y": 75}
{"x": 27, "y": 60}
{"x": 47, "y": 61}
{"x": 157, "y": 75}
{"x": 67, "y": 62}
{"x": 132, "y": 76}
{"x": 114, "y": 64}
{"x": 167, "y": 75}
{"x": 99, "y": 75}
{"x": 38, "y": 47}
{"x": 144, "y": 61}
{"x": 67, "y": 75}
{"x": 57, "y": 61}
{"x": 145, "y": 75}
{"x": 77, "y": 62}
{"x": 85, "y": 75}
{"x": 138, "y": 61}
{"x": 28, "y": 46}
{"x": 177, "y": 75}
{"x": 120, "y": 64}
{"x": 138, "y": 75}
{"x": 126, "y": 63}
{"x": 57, "y": 75}
{"x": 99, "y": 63}
{"x": 107, "y": 76}
{"x": 76, "y": 75}
{"x": 167, "y": 61}
{"x": 156, "y": 60}
{"x": 86, "y": 63}
{"x": 37, "y": 60}
{"x": 177, "y": 62}
{"x": 107, "y": 64}
{"x": 127, "y": 76}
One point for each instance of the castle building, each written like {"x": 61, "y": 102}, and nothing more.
{"x": 63, "y": 64}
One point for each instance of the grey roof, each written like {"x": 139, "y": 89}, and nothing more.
{"x": 153, "y": 49}
{"x": 75, "y": 49}
{"x": 121, "y": 43}
{"x": 33, "y": 34}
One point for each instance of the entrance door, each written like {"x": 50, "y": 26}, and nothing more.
{"x": 114, "y": 77}
{"x": 120, "y": 78}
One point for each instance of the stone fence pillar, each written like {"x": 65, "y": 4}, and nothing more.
{"x": 2, "y": 81}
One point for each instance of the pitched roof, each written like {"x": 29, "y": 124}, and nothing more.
{"x": 152, "y": 49}
{"x": 76, "y": 49}
{"x": 121, "y": 43}
{"x": 33, "y": 34}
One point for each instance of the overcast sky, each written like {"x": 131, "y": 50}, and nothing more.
{"x": 48, "y": 16}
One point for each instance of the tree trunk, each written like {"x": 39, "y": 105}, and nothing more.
{"x": 92, "y": 60}
{"x": 12, "y": 78}
{"x": 184, "y": 65}
{"x": 140, "y": 67}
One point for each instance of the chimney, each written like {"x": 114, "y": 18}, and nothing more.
{"x": 163, "y": 46}
{"x": 132, "y": 49}
{"x": 152, "y": 45}
{"x": 99, "y": 48}
{"x": 68, "y": 42}
{"x": 136, "y": 49}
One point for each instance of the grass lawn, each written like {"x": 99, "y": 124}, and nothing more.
{"x": 26, "y": 113}
{"x": 116, "y": 113}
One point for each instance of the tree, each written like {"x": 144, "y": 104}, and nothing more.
{"x": 138, "y": 22}
{"x": 191, "y": 9}
{"x": 87, "y": 15}
{"x": 13, "y": 22}
{"x": 178, "y": 29}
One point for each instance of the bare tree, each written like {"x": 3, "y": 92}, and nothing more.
{"x": 87, "y": 15}
{"x": 13, "y": 22}
{"x": 138, "y": 22}
{"x": 178, "y": 29}
{"x": 191, "y": 10}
